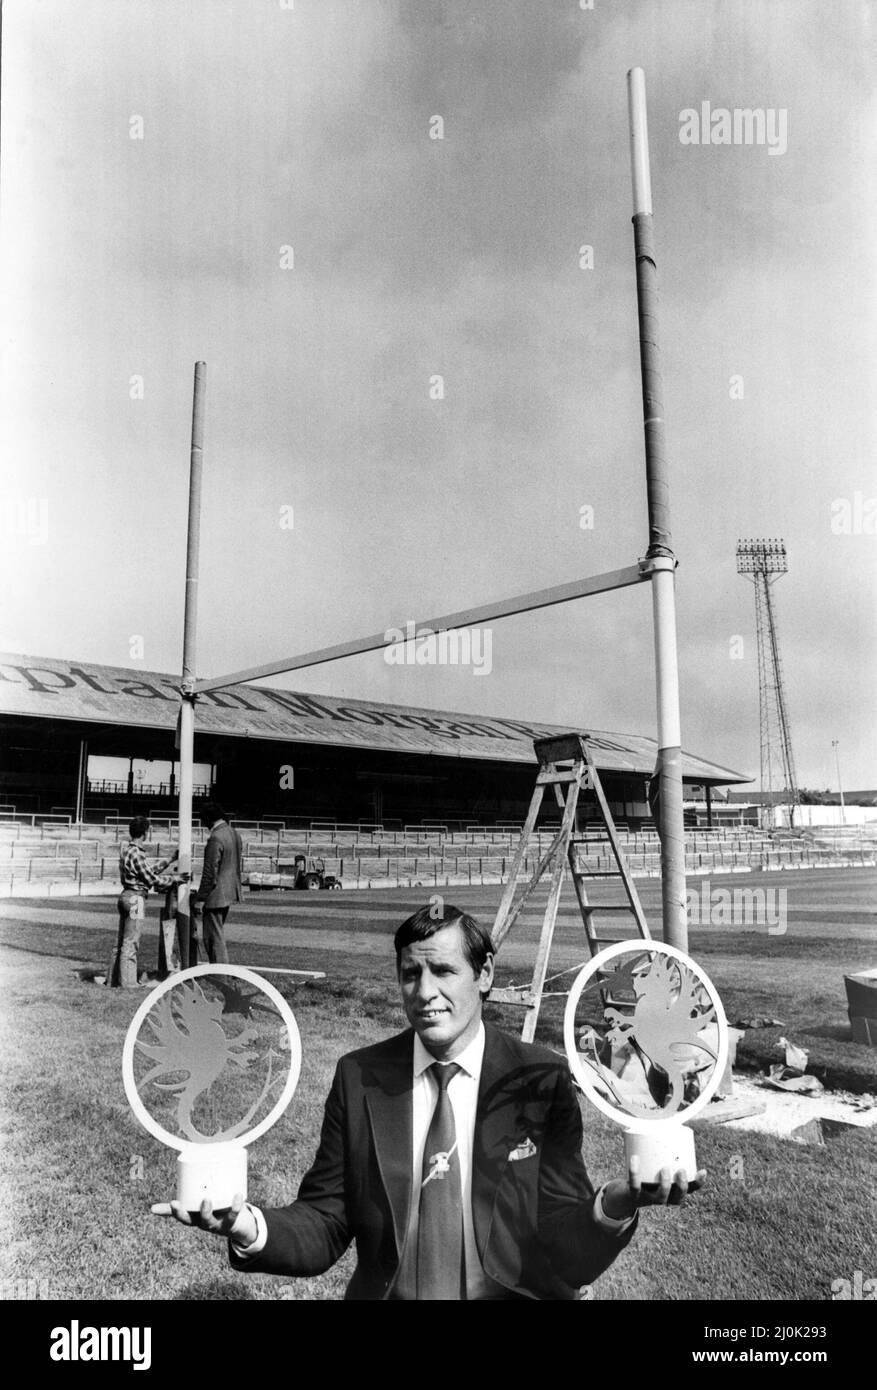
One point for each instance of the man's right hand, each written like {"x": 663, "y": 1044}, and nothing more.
{"x": 236, "y": 1221}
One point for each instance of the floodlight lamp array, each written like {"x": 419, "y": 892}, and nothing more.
{"x": 762, "y": 556}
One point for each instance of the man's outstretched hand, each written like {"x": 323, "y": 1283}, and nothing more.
{"x": 622, "y": 1198}
{"x": 236, "y": 1220}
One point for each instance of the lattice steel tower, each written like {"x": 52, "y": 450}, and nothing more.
{"x": 763, "y": 561}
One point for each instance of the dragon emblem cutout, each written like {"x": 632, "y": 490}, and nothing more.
{"x": 189, "y": 1042}
{"x": 664, "y": 1032}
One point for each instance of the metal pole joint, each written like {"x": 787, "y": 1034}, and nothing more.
{"x": 663, "y": 559}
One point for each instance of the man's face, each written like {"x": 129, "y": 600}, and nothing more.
{"x": 441, "y": 994}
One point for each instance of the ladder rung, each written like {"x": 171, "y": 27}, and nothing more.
{"x": 609, "y": 907}
{"x": 556, "y": 779}
{"x": 597, "y": 873}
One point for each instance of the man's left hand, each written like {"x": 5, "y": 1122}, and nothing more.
{"x": 622, "y": 1198}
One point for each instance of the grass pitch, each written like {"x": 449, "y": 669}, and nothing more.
{"x": 776, "y": 1220}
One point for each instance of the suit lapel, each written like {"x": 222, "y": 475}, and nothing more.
{"x": 495, "y": 1130}
{"x": 388, "y": 1099}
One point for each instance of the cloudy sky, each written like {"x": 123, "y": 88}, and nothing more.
{"x": 159, "y": 155}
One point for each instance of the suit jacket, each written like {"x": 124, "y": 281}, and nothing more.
{"x": 533, "y": 1215}
{"x": 220, "y": 884}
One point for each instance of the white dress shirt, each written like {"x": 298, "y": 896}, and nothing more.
{"x": 463, "y": 1094}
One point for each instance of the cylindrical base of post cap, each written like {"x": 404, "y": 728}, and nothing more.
{"x": 217, "y": 1172}
{"x": 661, "y": 1146}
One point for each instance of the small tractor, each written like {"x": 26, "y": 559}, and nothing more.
{"x": 315, "y": 877}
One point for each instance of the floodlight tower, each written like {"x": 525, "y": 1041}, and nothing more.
{"x": 763, "y": 561}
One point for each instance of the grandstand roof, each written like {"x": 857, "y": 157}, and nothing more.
{"x": 49, "y": 688}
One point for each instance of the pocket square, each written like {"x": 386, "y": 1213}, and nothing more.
{"x": 525, "y": 1149}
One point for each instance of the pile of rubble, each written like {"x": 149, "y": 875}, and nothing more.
{"x": 786, "y": 1101}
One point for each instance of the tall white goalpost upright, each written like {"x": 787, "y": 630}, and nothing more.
{"x": 660, "y": 562}
{"x": 187, "y": 683}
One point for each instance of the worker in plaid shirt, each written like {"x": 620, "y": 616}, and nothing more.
{"x": 138, "y": 875}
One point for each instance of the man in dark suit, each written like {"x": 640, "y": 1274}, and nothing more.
{"x": 220, "y": 884}
{"x": 451, "y": 1154}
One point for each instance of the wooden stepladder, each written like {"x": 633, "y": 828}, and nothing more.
{"x": 564, "y": 762}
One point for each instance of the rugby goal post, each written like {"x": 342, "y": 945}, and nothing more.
{"x": 657, "y": 567}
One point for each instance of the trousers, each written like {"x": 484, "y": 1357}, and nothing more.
{"x": 123, "y": 963}
{"x": 213, "y": 922}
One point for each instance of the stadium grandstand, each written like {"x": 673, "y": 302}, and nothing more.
{"x": 383, "y": 794}
{"x": 282, "y": 754}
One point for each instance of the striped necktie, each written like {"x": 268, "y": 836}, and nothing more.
{"x": 440, "y": 1224}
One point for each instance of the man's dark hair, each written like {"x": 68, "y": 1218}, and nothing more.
{"x": 426, "y": 921}
{"x": 138, "y": 827}
{"x": 211, "y": 812}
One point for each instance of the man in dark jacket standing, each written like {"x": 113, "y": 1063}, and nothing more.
{"x": 451, "y": 1154}
{"x": 220, "y": 884}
